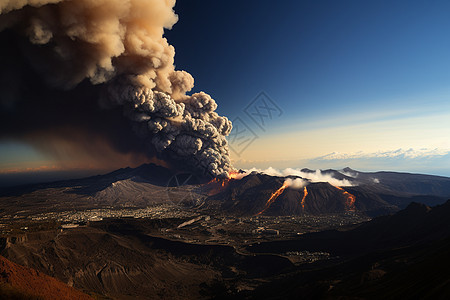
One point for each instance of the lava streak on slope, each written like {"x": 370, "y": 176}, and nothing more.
{"x": 305, "y": 193}
{"x": 274, "y": 197}
{"x": 217, "y": 185}
{"x": 350, "y": 202}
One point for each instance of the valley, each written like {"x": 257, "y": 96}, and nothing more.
{"x": 131, "y": 234}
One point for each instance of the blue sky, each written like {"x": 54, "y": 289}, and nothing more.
{"x": 344, "y": 54}
{"x": 375, "y": 74}
{"x": 364, "y": 84}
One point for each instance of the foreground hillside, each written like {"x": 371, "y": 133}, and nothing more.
{"x": 18, "y": 282}
{"x": 404, "y": 255}
{"x": 120, "y": 260}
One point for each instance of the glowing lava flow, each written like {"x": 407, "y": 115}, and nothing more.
{"x": 218, "y": 184}
{"x": 273, "y": 197}
{"x": 350, "y": 202}
{"x": 235, "y": 175}
{"x": 305, "y": 193}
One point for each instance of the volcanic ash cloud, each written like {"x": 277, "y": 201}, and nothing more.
{"x": 119, "y": 46}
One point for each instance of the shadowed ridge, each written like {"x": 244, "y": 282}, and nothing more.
{"x": 150, "y": 173}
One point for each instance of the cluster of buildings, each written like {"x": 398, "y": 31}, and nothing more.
{"x": 92, "y": 215}
{"x": 308, "y": 256}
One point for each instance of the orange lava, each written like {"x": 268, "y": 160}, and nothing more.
{"x": 219, "y": 184}
{"x": 215, "y": 186}
{"x": 350, "y": 202}
{"x": 273, "y": 197}
{"x": 234, "y": 175}
{"x": 305, "y": 193}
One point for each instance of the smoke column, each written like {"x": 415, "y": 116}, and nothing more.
{"x": 119, "y": 47}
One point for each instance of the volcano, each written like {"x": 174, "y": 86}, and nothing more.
{"x": 243, "y": 194}
{"x": 371, "y": 193}
{"x": 140, "y": 232}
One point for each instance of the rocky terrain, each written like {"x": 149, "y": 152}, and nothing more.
{"x": 121, "y": 260}
{"x": 18, "y": 282}
{"x": 400, "y": 256}
{"x": 371, "y": 194}
{"x": 403, "y": 255}
{"x": 147, "y": 233}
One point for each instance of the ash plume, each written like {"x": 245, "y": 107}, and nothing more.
{"x": 120, "y": 48}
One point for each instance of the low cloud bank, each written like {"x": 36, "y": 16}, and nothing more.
{"x": 306, "y": 177}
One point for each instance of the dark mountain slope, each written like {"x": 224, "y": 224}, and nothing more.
{"x": 418, "y": 184}
{"x": 149, "y": 173}
{"x": 417, "y": 223}
{"x": 414, "y": 272}
{"x": 372, "y": 194}
{"x": 250, "y": 195}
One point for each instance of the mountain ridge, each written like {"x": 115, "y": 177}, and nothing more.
{"x": 148, "y": 184}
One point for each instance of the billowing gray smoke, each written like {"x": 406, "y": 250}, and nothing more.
{"x": 119, "y": 45}
{"x": 188, "y": 129}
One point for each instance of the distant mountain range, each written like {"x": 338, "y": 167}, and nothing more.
{"x": 372, "y": 194}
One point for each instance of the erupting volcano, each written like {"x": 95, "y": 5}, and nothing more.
{"x": 120, "y": 178}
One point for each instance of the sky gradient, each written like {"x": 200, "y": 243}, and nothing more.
{"x": 351, "y": 77}
{"x": 359, "y": 84}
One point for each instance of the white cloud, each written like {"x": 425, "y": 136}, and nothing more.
{"x": 399, "y": 153}
{"x": 316, "y": 176}
{"x": 296, "y": 183}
